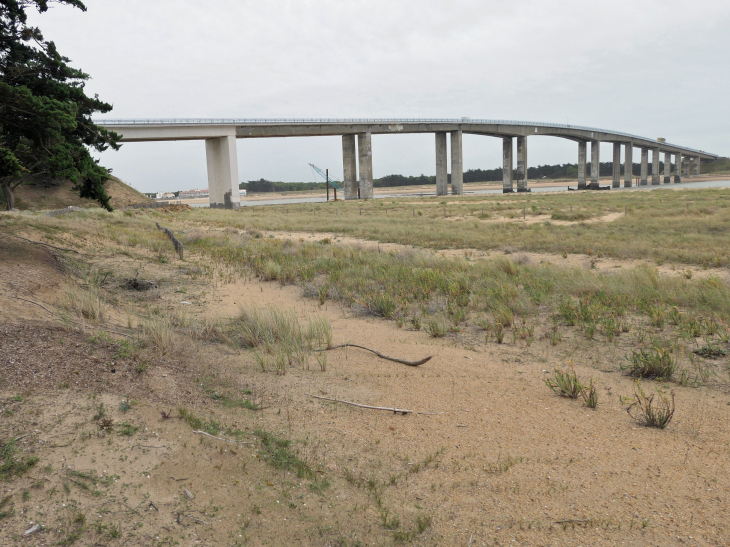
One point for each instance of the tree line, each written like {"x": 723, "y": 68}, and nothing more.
{"x": 559, "y": 171}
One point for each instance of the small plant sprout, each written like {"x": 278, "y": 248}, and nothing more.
{"x": 565, "y": 384}
{"x": 647, "y": 411}
{"x": 590, "y": 395}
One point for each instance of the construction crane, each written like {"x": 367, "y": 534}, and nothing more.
{"x": 336, "y": 184}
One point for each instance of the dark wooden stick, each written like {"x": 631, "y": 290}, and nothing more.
{"x": 394, "y": 359}
{"x": 175, "y": 241}
{"x": 394, "y": 410}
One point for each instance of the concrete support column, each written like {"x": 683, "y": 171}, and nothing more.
{"x": 581, "y": 165}
{"x": 457, "y": 164}
{"x": 685, "y": 167}
{"x": 522, "y": 164}
{"x": 507, "y": 186}
{"x": 655, "y": 166}
{"x": 644, "y": 167}
{"x": 629, "y": 165}
{"x": 667, "y": 167}
{"x": 365, "y": 157}
{"x": 677, "y": 167}
{"x": 349, "y": 166}
{"x": 442, "y": 179}
{"x": 222, "y": 161}
{"x": 595, "y": 164}
{"x": 616, "y": 181}
{"x": 697, "y": 166}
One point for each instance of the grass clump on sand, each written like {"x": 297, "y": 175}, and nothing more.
{"x": 647, "y": 411}
{"x": 654, "y": 362}
{"x": 12, "y": 466}
{"x": 278, "y": 337}
{"x": 567, "y": 384}
{"x": 277, "y": 452}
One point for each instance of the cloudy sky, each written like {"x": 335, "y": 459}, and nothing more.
{"x": 653, "y": 68}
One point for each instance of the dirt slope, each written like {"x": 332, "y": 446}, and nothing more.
{"x": 40, "y": 197}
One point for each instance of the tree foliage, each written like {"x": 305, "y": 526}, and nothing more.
{"x": 45, "y": 115}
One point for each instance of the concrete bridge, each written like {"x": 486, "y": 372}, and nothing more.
{"x": 220, "y": 146}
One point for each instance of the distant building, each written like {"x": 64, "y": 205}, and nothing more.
{"x": 193, "y": 194}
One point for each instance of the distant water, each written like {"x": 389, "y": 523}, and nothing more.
{"x": 671, "y": 186}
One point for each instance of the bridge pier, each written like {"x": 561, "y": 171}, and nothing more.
{"x": 349, "y": 167}
{"x": 629, "y": 165}
{"x": 507, "y": 186}
{"x": 616, "y": 181}
{"x": 655, "y": 166}
{"x": 442, "y": 177}
{"x": 222, "y": 160}
{"x": 581, "y": 165}
{"x": 685, "y": 167}
{"x": 644, "y": 166}
{"x": 365, "y": 160}
{"x": 697, "y": 166}
{"x": 595, "y": 164}
{"x": 457, "y": 164}
{"x": 522, "y": 164}
{"x": 667, "y": 167}
{"x": 677, "y": 167}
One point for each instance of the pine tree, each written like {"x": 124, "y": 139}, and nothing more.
{"x": 45, "y": 115}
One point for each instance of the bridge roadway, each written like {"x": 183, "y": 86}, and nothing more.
{"x": 222, "y": 162}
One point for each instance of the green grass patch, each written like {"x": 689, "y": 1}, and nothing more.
{"x": 277, "y": 452}
{"x": 11, "y": 465}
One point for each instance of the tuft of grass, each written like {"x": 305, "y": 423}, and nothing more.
{"x": 12, "y": 466}
{"x": 590, "y": 395}
{"x": 126, "y": 429}
{"x": 437, "y": 326}
{"x": 647, "y": 411}
{"x": 277, "y": 452}
{"x": 565, "y": 384}
{"x": 653, "y": 362}
{"x": 278, "y": 338}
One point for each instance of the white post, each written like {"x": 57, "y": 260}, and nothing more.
{"x": 222, "y": 163}
{"x": 365, "y": 156}
{"x": 629, "y": 165}
{"x": 522, "y": 164}
{"x": 582, "y": 165}
{"x": 616, "y": 181}
{"x": 442, "y": 187}
{"x": 678, "y": 167}
{"x": 457, "y": 166}
{"x": 507, "y": 165}
{"x": 595, "y": 164}
{"x": 349, "y": 166}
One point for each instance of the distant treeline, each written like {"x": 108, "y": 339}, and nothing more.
{"x": 566, "y": 170}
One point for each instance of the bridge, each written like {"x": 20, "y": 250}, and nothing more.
{"x": 220, "y": 145}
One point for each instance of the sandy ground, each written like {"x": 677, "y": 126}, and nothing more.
{"x": 59, "y": 197}
{"x": 489, "y": 453}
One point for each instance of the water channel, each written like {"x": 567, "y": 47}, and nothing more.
{"x": 496, "y": 190}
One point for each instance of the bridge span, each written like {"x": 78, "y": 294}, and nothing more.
{"x": 222, "y": 161}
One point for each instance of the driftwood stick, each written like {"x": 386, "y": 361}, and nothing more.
{"x": 394, "y": 359}
{"x": 220, "y": 438}
{"x": 394, "y": 410}
{"x": 175, "y": 241}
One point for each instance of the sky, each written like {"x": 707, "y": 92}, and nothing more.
{"x": 652, "y": 68}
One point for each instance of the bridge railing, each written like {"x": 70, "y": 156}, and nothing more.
{"x": 305, "y": 121}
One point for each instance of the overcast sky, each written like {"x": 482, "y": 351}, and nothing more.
{"x": 652, "y": 68}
